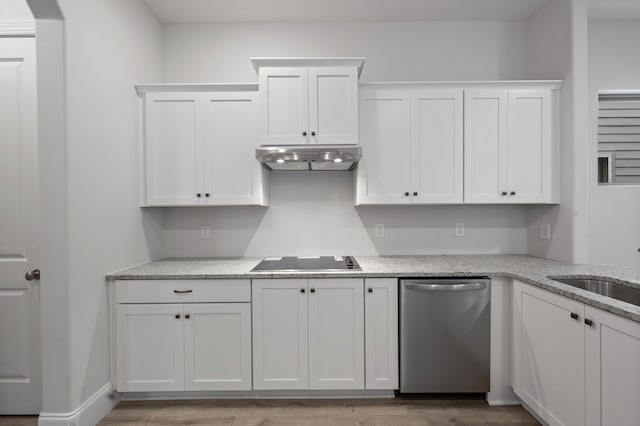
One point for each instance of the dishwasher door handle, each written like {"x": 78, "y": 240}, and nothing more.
{"x": 445, "y": 287}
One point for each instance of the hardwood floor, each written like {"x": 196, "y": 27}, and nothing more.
{"x": 315, "y": 412}
{"x": 435, "y": 410}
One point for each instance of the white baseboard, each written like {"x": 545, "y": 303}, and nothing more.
{"x": 297, "y": 394}
{"x": 503, "y": 402}
{"x": 88, "y": 414}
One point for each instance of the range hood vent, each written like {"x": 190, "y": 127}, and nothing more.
{"x": 309, "y": 157}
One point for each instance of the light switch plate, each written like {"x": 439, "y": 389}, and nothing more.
{"x": 379, "y": 230}
{"x": 458, "y": 230}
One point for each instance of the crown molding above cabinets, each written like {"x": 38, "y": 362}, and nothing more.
{"x": 17, "y": 29}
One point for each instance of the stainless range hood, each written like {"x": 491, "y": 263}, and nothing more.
{"x": 309, "y": 157}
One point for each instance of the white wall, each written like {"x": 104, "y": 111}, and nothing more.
{"x": 314, "y": 213}
{"x": 614, "y": 63}
{"x": 15, "y": 11}
{"x": 109, "y": 45}
{"x": 556, "y": 49}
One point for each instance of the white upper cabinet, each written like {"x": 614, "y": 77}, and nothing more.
{"x": 511, "y": 147}
{"x": 308, "y": 101}
{"x": 199, "y": 147}
{"x": 384, "y": 172}
{"x": 412, "y": 146}
{"x": 173, "y": 124}
{"x": 436, "y": 146}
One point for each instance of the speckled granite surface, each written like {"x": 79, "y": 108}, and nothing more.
{"x": 529, "y": 269}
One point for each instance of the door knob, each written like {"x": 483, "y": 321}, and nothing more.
{"x": 32, "y": 275}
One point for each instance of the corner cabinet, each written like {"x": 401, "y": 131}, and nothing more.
{"x": 199, "y": 146}
{"x": 574, "y": 364}
{"x": 412, "y": 145}
{"x": 511, "y": 145}
{"x": 182, "y": 335}
{"x": 308, "y": 100}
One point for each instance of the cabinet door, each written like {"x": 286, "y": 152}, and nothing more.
{"x": 383, "y": 174}
{"x": 613, "y": 369}
{"x": 150, "y": 348}
{"x": 280, "y": 334}
{"x": 549, "y": 349}
{"x": 529, "y": 146}
{"x": 336, "y": 334}
{"x": 232, "y": 176}
{"x": 217, "y": 346}
{"x": 381, "y": 333}
{"x": 333, "y": 105}
{"x": 284, "y": 105}
{"x": 436, "y": 146}
{"x": 173, "y": 148}
{"x": 485, "y": 146}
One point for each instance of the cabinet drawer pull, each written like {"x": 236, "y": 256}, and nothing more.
{"x": 313, "y": 290}
{"x": 302, "y": 290}
{"x": 313, "y": 133}
{"x": 406, "y": 194}
{"x": 415, "y": 194}
{"x": 177, "y": 316}
{"x": 513, "y": 192}
{"x": 574, "y": 315}
{"x": 304, "y": 133}
{"x": 182, "y": 291}
{"x": 370, "y": 290}
{"x": 187, "y": 316}
{"x": 504, "y": 192}
{"x": 198, "y": 195}
{"x": 588, "y": 322}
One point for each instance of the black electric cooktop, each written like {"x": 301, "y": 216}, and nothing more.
{"x": 308, "y": 263}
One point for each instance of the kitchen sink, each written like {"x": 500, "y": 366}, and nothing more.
{"x": 603, "y": 286}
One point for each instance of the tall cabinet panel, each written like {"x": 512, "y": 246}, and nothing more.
{"x": 384, "y": 174}
{"x": 485, "y": 145}
{"x": 333, "y": 105}
{"x": 336, "y": 334}
{"x": 381, "y": 333}
{"x": 284, "y": 105}
{"x": 280, "y": 334}
{"x": 232, "y": 175}
{"x": 437, "y": 146}
{"x": 173, "y": 148}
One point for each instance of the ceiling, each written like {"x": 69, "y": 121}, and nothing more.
{"x": 227, "y": 11}
{"x": 614, "y": 9}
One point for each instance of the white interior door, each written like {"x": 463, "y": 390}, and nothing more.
{"x": 20, "y": 361}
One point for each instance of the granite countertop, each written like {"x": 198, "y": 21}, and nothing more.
{"x": 532, "y": 270}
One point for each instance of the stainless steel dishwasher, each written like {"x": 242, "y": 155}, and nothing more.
{"x": 444, "y": 335}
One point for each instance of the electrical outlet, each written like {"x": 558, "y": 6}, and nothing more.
{"x": 545, "y": 231}
{"x": 379, "y": 230}
{"x": 458, "y": 230}
{"x": 205, "y": 232}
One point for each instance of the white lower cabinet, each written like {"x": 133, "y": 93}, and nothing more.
{"x": 150, "y": 349}
{"x": 612, "y": 369}
{"x": 182, "y": 346}
{"x": 381, "y": 333}
{"x": 574, "y": 364}
{"x": 308, "y": 334}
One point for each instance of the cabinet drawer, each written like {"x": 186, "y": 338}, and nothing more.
{"x": 183, "y": 291}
